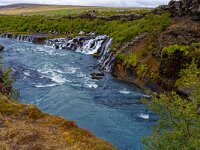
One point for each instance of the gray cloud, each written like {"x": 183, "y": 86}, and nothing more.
{"x": 112, "y": 3}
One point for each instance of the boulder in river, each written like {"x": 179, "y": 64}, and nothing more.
{"x": 1, "y": 47}
{"x": 97, "y": 75}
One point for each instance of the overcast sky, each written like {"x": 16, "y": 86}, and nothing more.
{"x": 113, "y": 3}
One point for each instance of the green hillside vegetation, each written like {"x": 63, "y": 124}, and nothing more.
{"x": 121, "y": 31}
{"x": 97, "y": 11}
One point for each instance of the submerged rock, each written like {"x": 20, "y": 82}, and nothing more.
{"x": 1, "y": 47}
{"x": 97, "y": 75}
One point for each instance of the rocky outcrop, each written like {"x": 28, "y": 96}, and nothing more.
{"x": 92, "y": 15}
{"x": 184, "y": 8}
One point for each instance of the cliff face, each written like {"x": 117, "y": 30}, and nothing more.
{"x": 161, "y": 56}
{"x": 185, "y": 8}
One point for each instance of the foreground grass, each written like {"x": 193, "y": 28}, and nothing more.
{"x": 26, "y": 127}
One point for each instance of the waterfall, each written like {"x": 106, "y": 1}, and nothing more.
{"x": 26, "y": 38}
{"x": 85, "y": 44}
{"x": 88, "y": 45}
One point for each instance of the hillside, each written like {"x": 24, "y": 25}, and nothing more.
{"x": 43, "y": 9}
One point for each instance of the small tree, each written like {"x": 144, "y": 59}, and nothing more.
{"x": 7, "y": 83}
{"x": 178, "y": 125}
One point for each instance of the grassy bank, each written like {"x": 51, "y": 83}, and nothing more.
{"x": 26, "y": 127}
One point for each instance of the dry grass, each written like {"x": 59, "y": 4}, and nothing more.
{"x": 35, "y": 9}
{"x": 24, "y": 127}
{"x": 29, "y": 9}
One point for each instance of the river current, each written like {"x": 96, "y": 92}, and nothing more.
{"x": 58, "y": 82}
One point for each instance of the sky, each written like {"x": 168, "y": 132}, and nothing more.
{"x": 110, "y": 3}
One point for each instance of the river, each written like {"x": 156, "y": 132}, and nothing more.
{"x": 58, "y": 82}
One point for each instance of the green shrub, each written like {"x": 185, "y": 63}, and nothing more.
{"x": 128, "y": 60}
{"x": 188, "y": 50}
{"x": 178, "y": 125}
{"x": 189, "y": 76}
{"x": 7, "y": 82}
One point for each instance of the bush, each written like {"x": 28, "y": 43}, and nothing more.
{"x": 188, "y": 50}
{"x": 128, "y": 60}
{"x": 7, "y": 84}
{"x": 189, "y": 76}
{"x": 178, "y": 125}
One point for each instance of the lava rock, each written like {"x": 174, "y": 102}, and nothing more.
{"x": 97, "y": 75}
{"x": 184, "y": 8}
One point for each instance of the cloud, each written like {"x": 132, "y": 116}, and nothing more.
{"x": 111, "y": 3}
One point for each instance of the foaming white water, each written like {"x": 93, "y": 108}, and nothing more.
{"x": 90, "y": 84}
{"x": 144, "y": 116}
{"x": 124, "y": 91}
{"x": 47, "y": 85}
{"x": 56, "y": 75}
{"x": 70, "y": 69}
{"x": 91, "y": 46}
{"x": 81, "y": 75}
{"x": 58, "y": 78}
{"x": 49, "y": 51}
{"x": 50, "y": 71}
{"x": 27, "y": 74}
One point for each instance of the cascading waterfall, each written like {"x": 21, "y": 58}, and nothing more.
{"x": 90, "y": 44}
{"x": 19, "y": 37}
{"x": 87, "y": 45}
